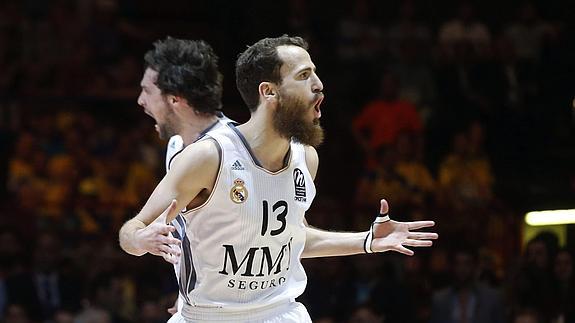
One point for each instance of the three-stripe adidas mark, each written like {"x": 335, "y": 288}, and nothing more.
{"x": 237, "y": 166}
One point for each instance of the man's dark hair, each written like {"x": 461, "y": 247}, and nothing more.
{"x": 261, "y": 63}
{"x": 188, "y": 69}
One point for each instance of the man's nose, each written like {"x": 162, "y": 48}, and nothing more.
{"x": 317, "y": 85}
{"x": 140, "y": 100}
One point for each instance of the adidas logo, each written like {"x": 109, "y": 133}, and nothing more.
{"x": 237, "y": 166}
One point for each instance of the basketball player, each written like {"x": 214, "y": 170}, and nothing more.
{"x": 246, "y": 190}
{"x": 181, "y": 90}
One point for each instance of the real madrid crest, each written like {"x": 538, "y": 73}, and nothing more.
{"x": 239, "y": 193}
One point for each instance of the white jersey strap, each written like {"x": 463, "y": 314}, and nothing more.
{"x": 175, "y": 145}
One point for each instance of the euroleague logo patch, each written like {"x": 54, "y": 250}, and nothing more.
{"x": 299, "y": 184}
{"x": 239, "y": 193}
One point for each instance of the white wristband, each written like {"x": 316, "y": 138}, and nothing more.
{"x": 368, "y": 240}
{"x": 381, "y": 218}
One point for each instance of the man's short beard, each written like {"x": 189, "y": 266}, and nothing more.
{"x": 164, "y": 132}
{"x": 289, "y": 122}
{"x": 167, "y": 129}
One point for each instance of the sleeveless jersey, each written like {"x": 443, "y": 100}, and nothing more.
{"x": 174, "y": 147}
{"x": 247, "y": 238}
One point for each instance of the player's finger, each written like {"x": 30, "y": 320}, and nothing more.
{"x": 419, "y": 224}
{"x": 169, "y": 258}
{"x": 405, "y": 251}
{"x": 169, "y": 250}
{"x": 168, "y": 212}
{"x": 177, "y": 248}
{"x": 383, "y": 207}
{"x": 156, "y": 252}
{"x": 423, "y": 235}
{"x": 173, "y": 310}
{"x": 417, "y": 243}
{"x": 163, "y": 229}
{"x": 168, "y": 239}
{"x": 172, "y": 209}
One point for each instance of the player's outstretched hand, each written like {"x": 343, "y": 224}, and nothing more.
{"x": 396, "y": 236}
{"x": 157, "y": 239}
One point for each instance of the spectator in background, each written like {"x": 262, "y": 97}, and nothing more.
{"x": 105, "y": 295}
{"x": 466, "y": 300}
{"x": 516, "y": 84}
{"x": 416, "y": 79}
{"x": 465, "y": 187}
{"x": 59, "y": 185}
{"x": 93, "y": 315}
{"x": 530, "y": 285}
{"x": 298, "y": 19}
{"x": 464, "y": 176}
{"x": 357, "y": 49}
{"x": 411, "y": 168}
{"x": 63, "y": 316}
{"x": 527, "y": 33}
{"x": 366, "y": 313}
{"x": 152, "y": 312}
{"x": 382, "y": 120}
{"x": 465, "y": 28}
{"x": 10, "y": 64}
{"x": 21, "y": 164}
{"x": 12, "y": 254}
{"x": 409, "y": 42}
{"x": 399, "y": 173}
{"x": 325, "y": 319}
{"x": 526, "y": 316}
{"x": 564, "y": 287}
{"x": 381, "y": 180}
{"x": 408, "y": 29}
{"x": 367, "y": 279}
{"x": 47, "y": 286}
{"x": 360, "y": 40}
{"x": 119, "y": 81}
{"x": 327, "y": 294}
{"x": 415, "y": 274}
{"x": 16, "y": 313}
{"x": 396, "y": 307}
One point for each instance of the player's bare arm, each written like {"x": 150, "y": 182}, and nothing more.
{"x": 137, "y": 239}
{"x": 385, "y": 236}
{"x": 192, "y": 171}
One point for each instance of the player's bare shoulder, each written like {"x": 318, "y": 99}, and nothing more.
{"x": 312, "y": 160}
{"x": 199, "y": 162}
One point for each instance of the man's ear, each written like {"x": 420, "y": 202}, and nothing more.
{"x": 177, "y": 103}
{"x": 268, "y": 90}
{"x": 173, "y": 100}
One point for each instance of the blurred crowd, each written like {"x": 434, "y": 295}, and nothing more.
{"x": 458, "y": 112}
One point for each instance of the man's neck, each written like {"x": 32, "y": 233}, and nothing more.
{"x": 195, "y": 127}
{"x": 267, "y": 145}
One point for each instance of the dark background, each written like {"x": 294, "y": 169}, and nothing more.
{"x": 78, "y": 156}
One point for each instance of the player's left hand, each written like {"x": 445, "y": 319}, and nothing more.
{"x": 157, "y": 239}
{"x": 396, "y": 236}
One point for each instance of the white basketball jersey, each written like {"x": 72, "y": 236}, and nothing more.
{"x": 175, "y": 146}
{"x": 247, "y": 238}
